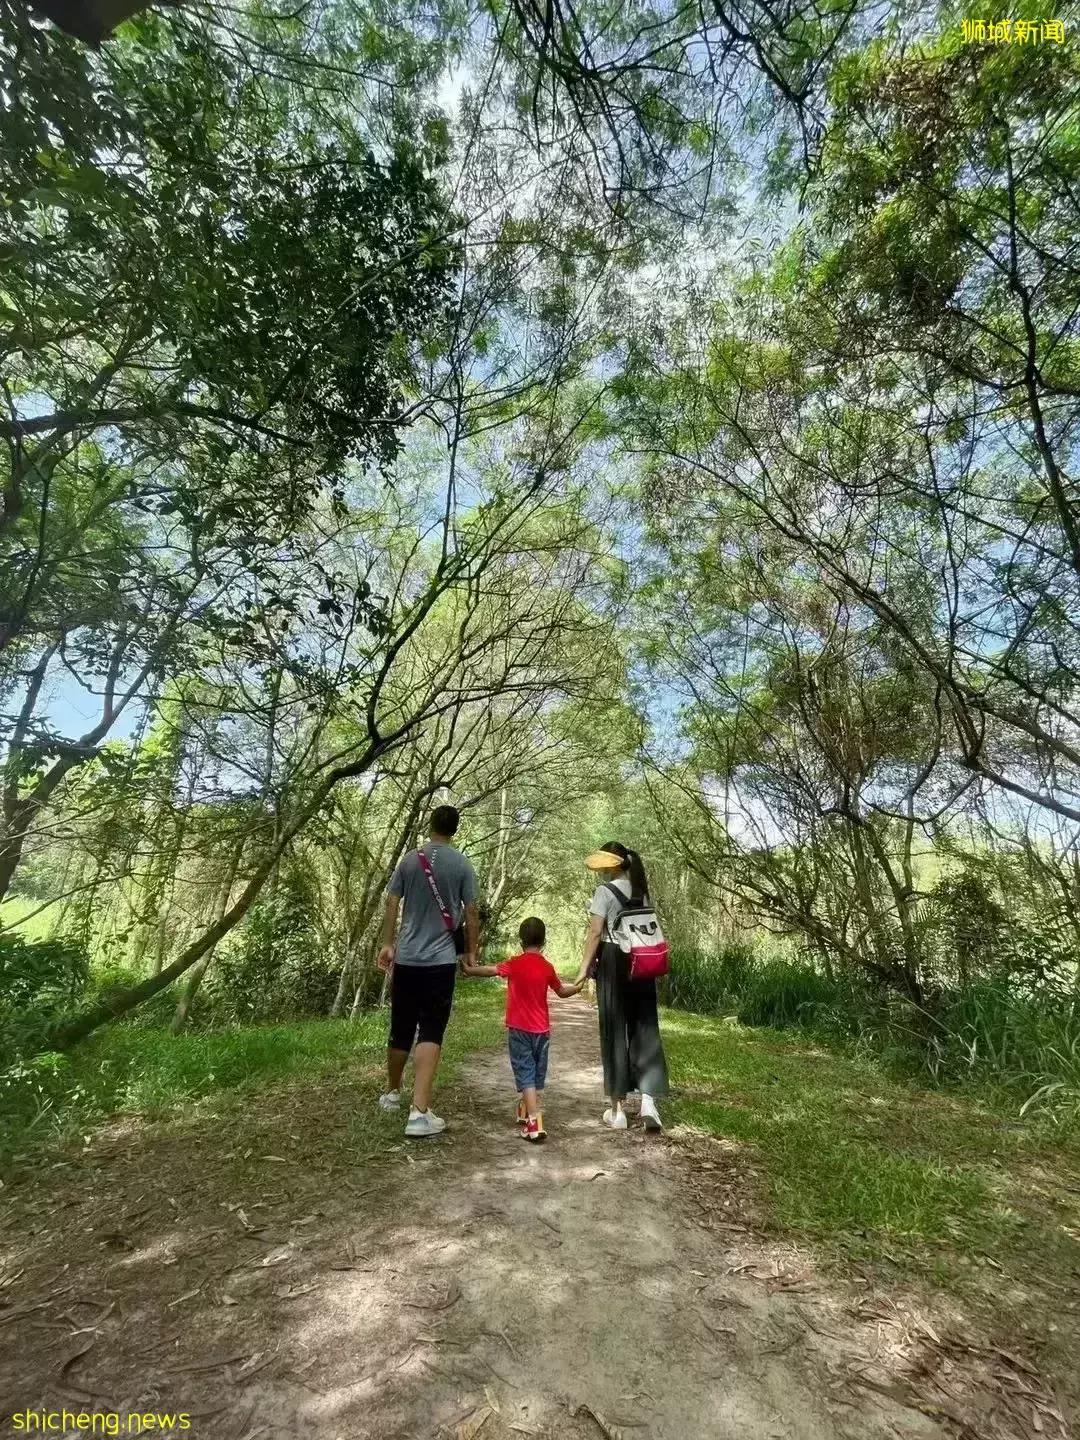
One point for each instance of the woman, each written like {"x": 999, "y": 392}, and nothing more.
{"x": 630, "y": 1047}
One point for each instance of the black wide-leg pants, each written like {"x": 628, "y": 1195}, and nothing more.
{"x": 630, "y": 1046}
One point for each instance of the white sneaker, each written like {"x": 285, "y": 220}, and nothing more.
{"x": 650, "y": 1117}
{"x": 424, "y": 1122}
{"x": 390, "y": 1100}
{"x": 616, "y": 1120}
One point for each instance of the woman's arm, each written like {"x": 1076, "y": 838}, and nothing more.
{"x": 592, "y": 944}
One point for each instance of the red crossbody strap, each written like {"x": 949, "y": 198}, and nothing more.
{"x": 425, "y": 865}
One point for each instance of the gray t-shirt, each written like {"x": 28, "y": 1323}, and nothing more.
{"x": 604, "y": 903}
{"x": 423, "y": 938}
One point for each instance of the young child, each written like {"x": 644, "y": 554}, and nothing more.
{"x": 530, "y": 976}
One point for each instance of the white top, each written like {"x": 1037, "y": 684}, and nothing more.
{"x": 604, "y": 903}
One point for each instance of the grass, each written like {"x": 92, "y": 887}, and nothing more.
{"x": 143, "y": 1071}
{"x": 997, "y": 1037}
{"x": 848, "y": 1156}
{"x": 865, "y": 1166}
{"x": 16, "y": 907}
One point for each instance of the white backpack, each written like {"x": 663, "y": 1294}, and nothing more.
{"x": 637, "y": 933}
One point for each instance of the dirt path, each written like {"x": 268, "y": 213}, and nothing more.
{"x": 272, "y": 1281}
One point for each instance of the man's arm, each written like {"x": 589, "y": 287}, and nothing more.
{"x": 472, "y": 936}
{"x": 389, "y": 925}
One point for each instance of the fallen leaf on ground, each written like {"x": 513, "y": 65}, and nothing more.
{"x": 215, "y": 1363}
{"x": 453, "y": 1294}
{"x": 716, "y": 1329}
{"x": 239, "y": 1376}
{"x": 474, "y": 1424}
{"x": 604, "y": 1426}
{"x": 71, "y": 1359}
{"x": 181, "y": 1298}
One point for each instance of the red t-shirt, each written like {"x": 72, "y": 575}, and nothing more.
{"x": 531, "y": 976}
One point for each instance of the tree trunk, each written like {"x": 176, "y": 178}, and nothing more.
{"x": 195, "y": 979}
{"x": 183, "y": 1005}
{"x": 343, "y": 984}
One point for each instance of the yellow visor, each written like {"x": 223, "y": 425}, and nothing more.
{"x": 604, "y": 860}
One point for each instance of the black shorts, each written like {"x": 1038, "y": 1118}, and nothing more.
{"x": 421, "y": 997}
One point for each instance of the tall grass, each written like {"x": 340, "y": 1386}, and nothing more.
{"x": 1029, "y": 1043}
{"x": 709, "y": 981}
{"x": 1024, "y": 1044}
{"x": 760, "y": 986}
{"x": 786, "y": 992}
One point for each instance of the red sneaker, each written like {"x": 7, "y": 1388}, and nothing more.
{"x": 534, "y": 1129}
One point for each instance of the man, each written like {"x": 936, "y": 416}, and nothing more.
{"x": 425, "y": 965}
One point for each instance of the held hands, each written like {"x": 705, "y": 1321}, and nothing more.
{"x": 469, "y": 967}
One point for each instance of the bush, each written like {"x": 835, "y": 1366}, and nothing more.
{"x": 1017, "y": 1032}
{"x": 708, "y": 982}
{"x": 276, "y": 968}
{"x": 109, "y": 976}
{"x": 39, "y": 981}
{"x": 1029, "y": 1043}
{"x": 786, "y": 992}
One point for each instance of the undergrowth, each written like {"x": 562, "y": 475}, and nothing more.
{"x": 1019, "y": 1045}
{"x": 136, "y": 1069}
{"x": 858, "y": 1160}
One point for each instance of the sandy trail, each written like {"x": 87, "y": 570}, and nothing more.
{"x": 469, "y": 1286}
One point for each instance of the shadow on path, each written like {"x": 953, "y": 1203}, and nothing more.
{"x": 273, "y": 1281}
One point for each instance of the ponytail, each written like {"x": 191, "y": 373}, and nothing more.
{"x": 632, "y": 868}
{"x": 639, "y": 884}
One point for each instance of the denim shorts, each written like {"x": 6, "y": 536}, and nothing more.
{"x": 529, "y": 1057}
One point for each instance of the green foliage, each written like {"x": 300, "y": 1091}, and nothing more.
{"x": 786, "y": 992}
{"x": 138, "y": 1069}
{"x": 993, "y": 1030}
{"x": 39, "y": 981}
{"x": 276, "y": 968}
{"x": 710, "y": 981}
{"x": 1027, "y": 1045}
{"x": 978, "y": 939}
{"x": 173, "y": 159}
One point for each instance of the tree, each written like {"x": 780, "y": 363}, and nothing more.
{"x": 209, "y": 310}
